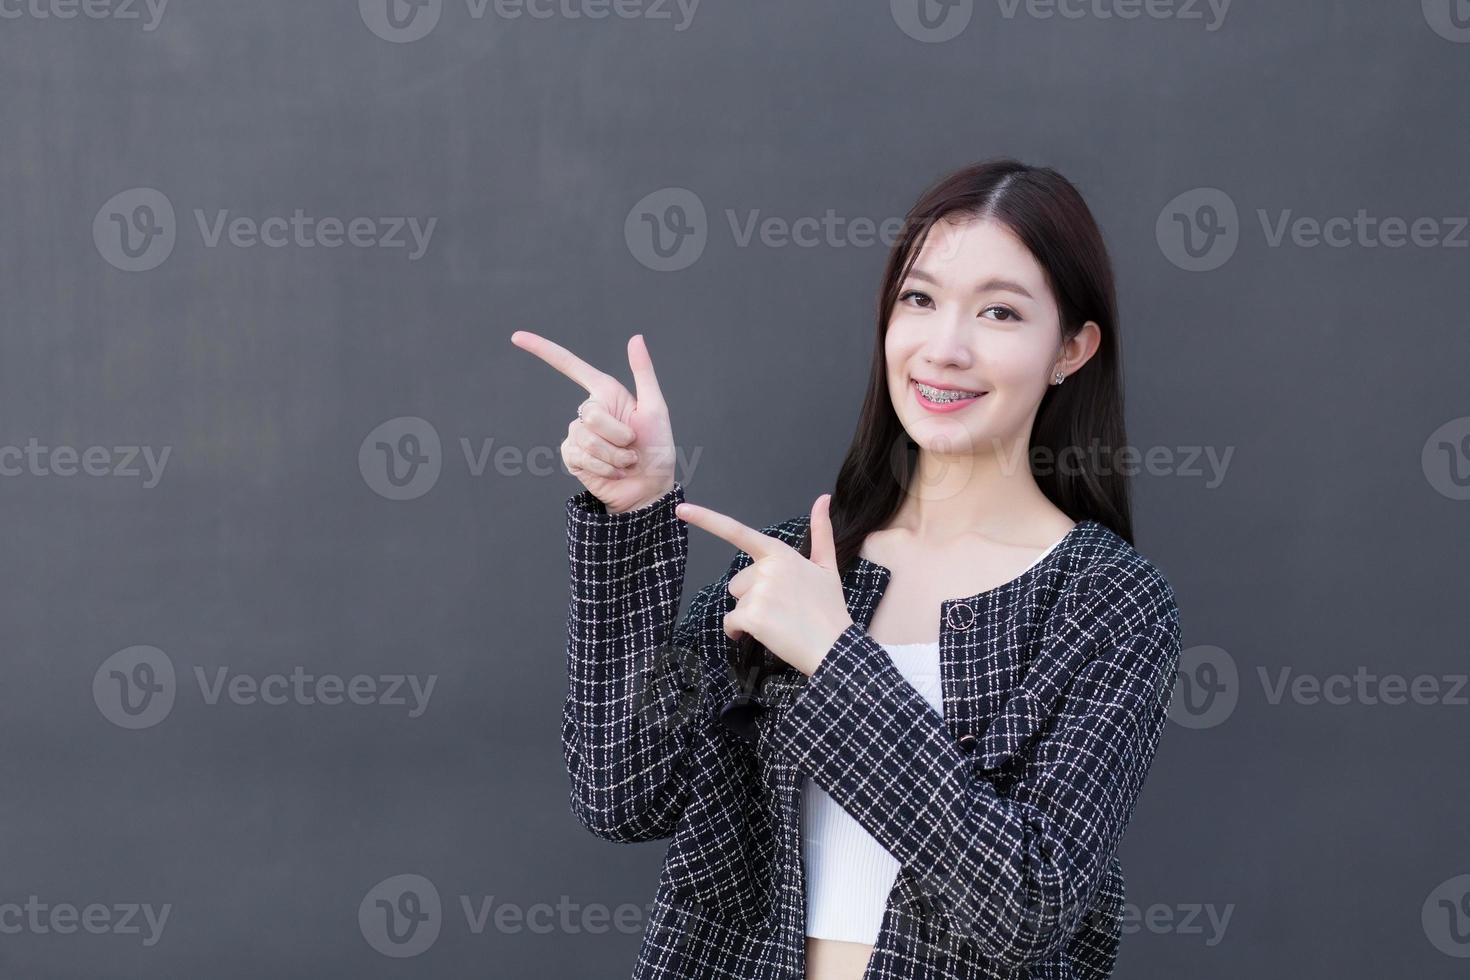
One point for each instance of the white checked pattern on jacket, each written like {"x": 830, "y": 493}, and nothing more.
{"x": 1005, "y": 814}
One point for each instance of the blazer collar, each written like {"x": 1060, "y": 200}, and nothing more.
{"x": 866, "y": 581}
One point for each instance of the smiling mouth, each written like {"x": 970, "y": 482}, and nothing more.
{"x": 929, "y": 395}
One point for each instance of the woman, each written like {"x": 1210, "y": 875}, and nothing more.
{"x": 930, "y": 785}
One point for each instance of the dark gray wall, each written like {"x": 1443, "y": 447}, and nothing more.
{"x": 1327, "y": 539}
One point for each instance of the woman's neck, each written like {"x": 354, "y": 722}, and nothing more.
{"x": 986, "y": 494}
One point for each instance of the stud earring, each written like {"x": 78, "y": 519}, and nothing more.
{"x": 1059, "y": 376}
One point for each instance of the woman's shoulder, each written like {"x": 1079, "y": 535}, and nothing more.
{"x": 1108, "y": 577}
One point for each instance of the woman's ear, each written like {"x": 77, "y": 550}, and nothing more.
{"x": 1078, "y": 349}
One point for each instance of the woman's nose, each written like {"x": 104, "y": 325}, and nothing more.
{"x": 947, "y": 343}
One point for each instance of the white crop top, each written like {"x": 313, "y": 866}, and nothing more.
{"x": 849, "y": 875}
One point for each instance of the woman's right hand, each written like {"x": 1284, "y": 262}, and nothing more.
{"x": 622, "y": 448}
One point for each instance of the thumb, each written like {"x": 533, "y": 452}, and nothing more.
{"x": 646, "y": 388}
{"x": 824, "y": 546}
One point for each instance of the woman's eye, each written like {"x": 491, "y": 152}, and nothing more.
{"x": 915, "y": 293}
{"x": 1010, "y": 313}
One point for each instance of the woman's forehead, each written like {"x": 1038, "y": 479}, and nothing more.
{"x": 961, "y": 253}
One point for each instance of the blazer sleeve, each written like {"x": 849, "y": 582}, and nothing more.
{"x": 638, "y": 683}
{"x": 1016, "y": 870}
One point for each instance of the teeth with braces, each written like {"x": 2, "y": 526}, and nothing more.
{"x": 943, "y": 394}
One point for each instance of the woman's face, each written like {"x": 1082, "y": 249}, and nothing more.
{"x": 974, "y": 314}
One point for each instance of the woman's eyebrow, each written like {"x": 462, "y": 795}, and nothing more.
{"x": 993, "y": 284}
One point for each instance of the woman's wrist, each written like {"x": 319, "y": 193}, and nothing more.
{"x": 643, "y": 505}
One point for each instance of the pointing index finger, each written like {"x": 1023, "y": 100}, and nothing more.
{"x": 747, "y": 539}
{"x": 560, "y": 358}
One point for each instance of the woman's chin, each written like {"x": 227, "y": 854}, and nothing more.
{"x": 944, "y": 437}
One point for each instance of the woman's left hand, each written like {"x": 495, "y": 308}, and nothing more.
{"x": 792, "y": 605}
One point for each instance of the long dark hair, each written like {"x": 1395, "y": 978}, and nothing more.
{"x": 1041, "y": 208}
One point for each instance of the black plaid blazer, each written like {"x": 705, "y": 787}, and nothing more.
{"x": 1004, "y": 814}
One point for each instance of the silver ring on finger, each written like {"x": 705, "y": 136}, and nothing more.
{"x": 580, "y": 417}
